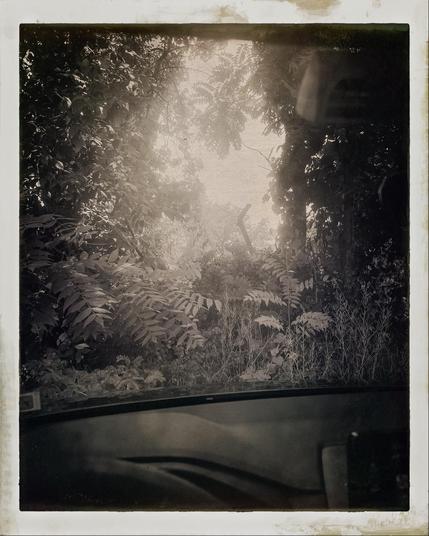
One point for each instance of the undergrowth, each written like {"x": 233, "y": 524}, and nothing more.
{"x": 348, "y": 346}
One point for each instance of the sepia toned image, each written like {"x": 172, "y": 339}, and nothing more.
{"x": 214, "y": 267}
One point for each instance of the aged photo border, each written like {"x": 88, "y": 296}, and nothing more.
{"x": 412, "y": 12}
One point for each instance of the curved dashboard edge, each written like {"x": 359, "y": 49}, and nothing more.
{"x": 104, "y": 408}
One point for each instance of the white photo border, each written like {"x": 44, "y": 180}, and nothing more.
{"x": 412, "y": 12}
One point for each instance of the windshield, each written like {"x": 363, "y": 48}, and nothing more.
{"x": 212, "y": 209}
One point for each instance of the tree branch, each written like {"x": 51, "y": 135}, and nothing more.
{"x": 260, "y": 153}
{"x": 242, "y": 227}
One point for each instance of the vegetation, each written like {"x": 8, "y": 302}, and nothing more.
{"x": 130, "y": 279}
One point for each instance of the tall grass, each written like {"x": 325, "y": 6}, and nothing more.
{"x": 356, "y": 348}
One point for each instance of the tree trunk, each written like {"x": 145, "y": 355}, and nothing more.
{"x": 293, "y": 192}
{"x": 346, "y": 235}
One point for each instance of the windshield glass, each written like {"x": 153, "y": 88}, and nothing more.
{"x": 212, "y": 209}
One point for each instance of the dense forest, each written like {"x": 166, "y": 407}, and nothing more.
{"x": 132, "y": 278}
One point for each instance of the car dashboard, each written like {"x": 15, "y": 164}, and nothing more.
{"x": 314, "y": 449}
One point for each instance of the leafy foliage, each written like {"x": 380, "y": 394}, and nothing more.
{"x": 91, "y": 104}
{"x": 58, "y": 382}
{"x": 312, "y": 322}
{"x": 269, "y": 322}
{"x": 226, "y": 98}
{"x": 290, "y": 287}
{"x": 121, "y": 255}
{"x": 263, "y": 296}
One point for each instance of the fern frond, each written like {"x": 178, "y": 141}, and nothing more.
{"x": 312, "y": 322}
{"x": 269, "y": 322}
{"x": 263, "y": 296}
{"x": 291, "y": 288}
{"x": 291, "y": 291}
{"x": 86, "y": 305}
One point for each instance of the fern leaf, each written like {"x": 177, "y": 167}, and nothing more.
{"x": 312, "y": 322}
{"x": 269, "y": 322}
{"x": 263, "y": 296}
